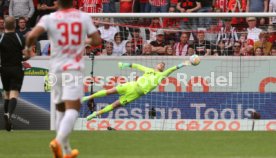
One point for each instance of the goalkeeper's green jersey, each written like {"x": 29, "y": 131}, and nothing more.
{"x": 151, "y": 78}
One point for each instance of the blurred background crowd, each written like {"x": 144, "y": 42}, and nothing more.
{"x": 160, "y": 36}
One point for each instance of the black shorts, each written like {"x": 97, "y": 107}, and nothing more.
{"x": 12, "y": 78}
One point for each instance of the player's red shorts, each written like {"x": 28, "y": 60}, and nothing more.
{"x": 125, "y": 7}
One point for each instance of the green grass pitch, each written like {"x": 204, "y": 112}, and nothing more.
{"x": 154, "y": 144}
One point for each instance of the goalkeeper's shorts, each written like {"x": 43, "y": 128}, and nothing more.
{"x": 129, "y": 92}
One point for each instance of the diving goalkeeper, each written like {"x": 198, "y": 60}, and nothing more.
{"x": 131, "y": 91}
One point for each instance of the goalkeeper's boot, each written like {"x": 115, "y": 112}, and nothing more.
{"x": 74, "y": 154}
{"x": 93, "y": 115}
{"x": 56, "y": 149}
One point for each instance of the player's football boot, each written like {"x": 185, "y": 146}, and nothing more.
{"x": 8, "y": 124}
{"x": 93, "y": 115}
{"x": 56, "y": 149}
{"x": 74, "y": 154}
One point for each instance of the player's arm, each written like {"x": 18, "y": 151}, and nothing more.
{"x": 94, "y": 39}
{"x": 93, "y": 35}
{"x": 134, "y": 66}
{"x": 172, "y": 69}
{"x": 31, "y": 39}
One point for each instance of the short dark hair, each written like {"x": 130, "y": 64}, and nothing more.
{"x": 21, "y": 18}
{"x": 65, "y": 3}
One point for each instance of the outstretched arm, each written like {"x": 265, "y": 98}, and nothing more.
{"x": 172, "y": 69}
{"x": 135, "y": 66}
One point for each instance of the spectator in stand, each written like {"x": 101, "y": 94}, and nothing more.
{"x": 272, "y": 33}
{"x": 147, "y": 50}
{"x": 91, "y": 6}
{"x": 33, "y": 19}
{"x": 201, "y": 46}
{"x": 247, "y": 45}
{"x": 144, "y": 6}
{"x": 159, "y": 46}
{"x": 108, "y": 50}
{"x": 171, "y": 23}
{"x": 119, "y": 44}
{"x": 173, "y": 26}
{"x": 181, "y": 48}
{"x": 169, "y": 51}
{"x": 206, "y": 6}
{"x": 107, "y": 31}
{"x": 46, "y": 7}
{"x": 273, "y": 51}
{"x": 272, "y": 8}
{"x": 21, "y": 8}
{"x": 257, "y": 6}
{"x": 109, "y": 6}
{"x": 96, "y": 22}
{"x": 2, "y": 29}
{"x": 130, "y": 51}
{"x": 237, "y": 48}
{"x": 137, "y": 41}
{"x": 2, "y": 2}
{"x": 173, "y": 3}
{"x": 253, "y": 31}
{"x": 258, "y": 52}
{"x": 263, "y": 44}
{"x": 227, "y": 33}
{"x": 126, "y": 6}
{"x": 237, "y": 6}
{"x": 221, "y": 5}
{"x": 188, "y": 6}
{"x": 212, "y": 32}
{"x": 159, "y": 6}
{"x": 154, "y": 26}
{"x": 87, "y": 50}
{"x": 22, "y": 28}
{"x": 222, "y": 50}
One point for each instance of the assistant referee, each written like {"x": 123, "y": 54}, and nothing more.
{"x": 12, "y": 74}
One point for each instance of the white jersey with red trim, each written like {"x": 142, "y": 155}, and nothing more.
{"x": 67, "y": 31}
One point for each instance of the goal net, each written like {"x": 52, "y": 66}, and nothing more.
{"x": 233, "y": 88}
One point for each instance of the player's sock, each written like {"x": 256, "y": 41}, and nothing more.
{"x": 12, "y": 106}
{"x": 6, "y": 105}
{"x": 66, "y": 126}
{"x": 67, "y": 147}
{"x": 59, "y": 116}
{"x": 98, "y": 94}
{"x": 105, "y": 109}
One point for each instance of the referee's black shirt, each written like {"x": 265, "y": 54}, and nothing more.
{"x": 11, "y": 47}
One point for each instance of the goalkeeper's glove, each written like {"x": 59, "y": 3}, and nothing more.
{"x": 185, "y": 63}
{"x": 123, "y": 65}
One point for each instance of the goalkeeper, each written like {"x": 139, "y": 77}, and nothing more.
{"x": 131, "y": 91}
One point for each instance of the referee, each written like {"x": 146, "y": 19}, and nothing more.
{"x": 12, "y": 74}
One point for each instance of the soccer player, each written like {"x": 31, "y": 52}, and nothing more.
{"x": 69, "y": 30}
{"x": 131, "y": 91}
{"x": 12, "y": 74}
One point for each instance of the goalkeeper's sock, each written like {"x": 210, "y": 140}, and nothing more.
{"x": 105, "y": 109}
{"x": 59, "y": 117}
{"x": 66, "y": 127}
{"x": 98, "y": 94}
{"x": 12, "y": 105}
{"x": 6, "y": 105}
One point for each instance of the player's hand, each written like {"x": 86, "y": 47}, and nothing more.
{"x": 186, "y": 63}
{"x": 27, "y": 52}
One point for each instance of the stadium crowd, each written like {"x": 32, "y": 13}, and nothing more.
{"x": 161, "y": 36}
